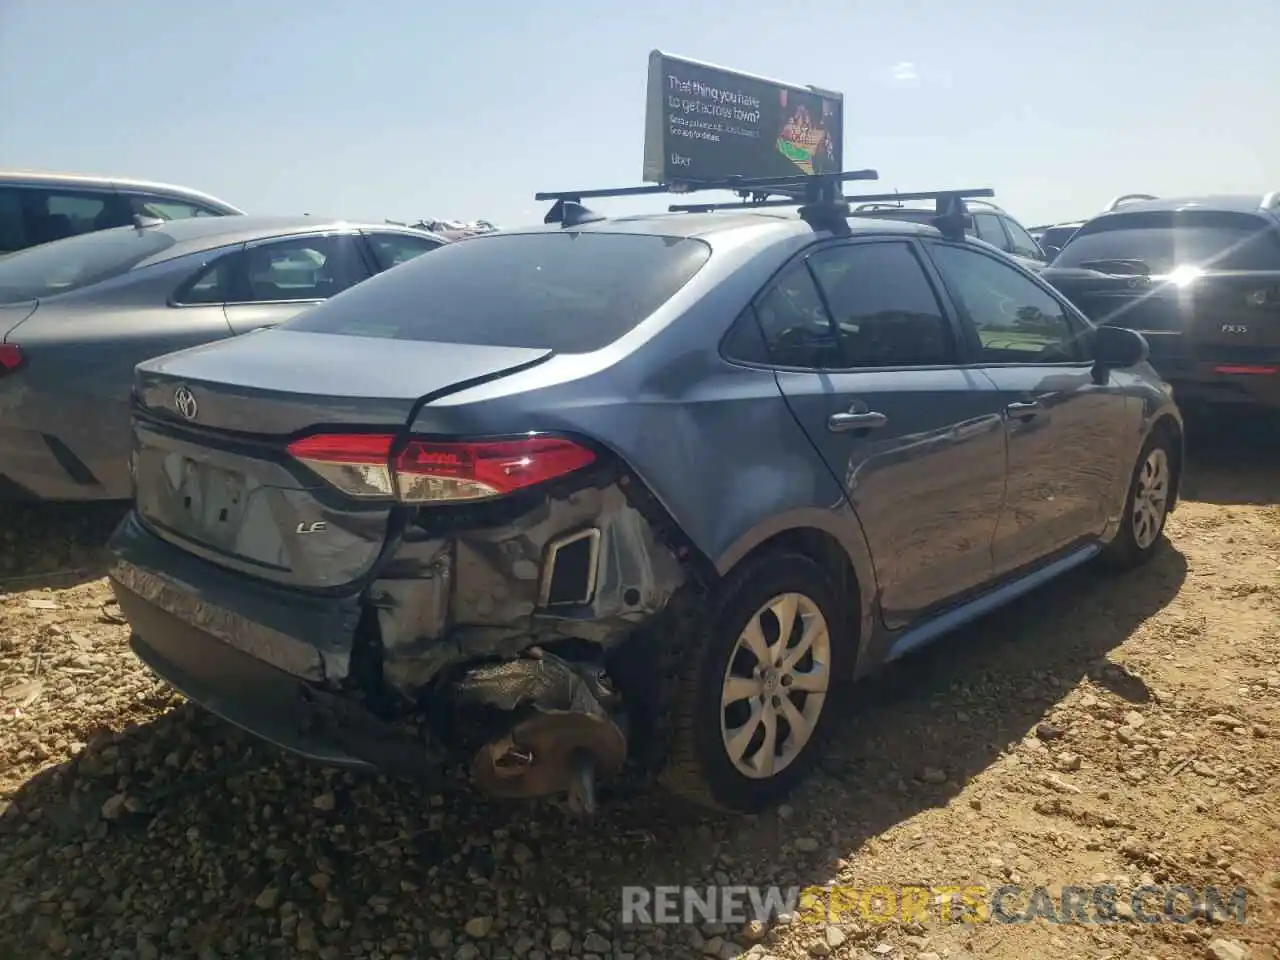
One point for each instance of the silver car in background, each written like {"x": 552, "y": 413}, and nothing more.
{"x": 77, "y": 315}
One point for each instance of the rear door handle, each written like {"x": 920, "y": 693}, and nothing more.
{"x": 848, "y": 422}
{"x": 1024, "y": 410}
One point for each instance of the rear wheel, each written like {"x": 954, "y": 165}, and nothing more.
{"x": 753, "y": 706}
{"x": 1147, "y": 508}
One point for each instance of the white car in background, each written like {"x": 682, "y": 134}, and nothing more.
{"x": 38, "y": 208}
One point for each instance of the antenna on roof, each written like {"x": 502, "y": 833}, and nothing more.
{"x": 571, "y": 213}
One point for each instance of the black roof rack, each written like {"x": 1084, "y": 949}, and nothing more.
{"x": 822, "y": 204}
{"x": 951, "y": 217}
{"x": 819, "y": 196}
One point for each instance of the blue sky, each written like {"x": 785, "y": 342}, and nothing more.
{"x": 408, "y": 108}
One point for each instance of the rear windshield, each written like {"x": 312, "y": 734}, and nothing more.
{"x": 570, "y": 292}
{"x": 76, "y": 262}
{"x": 1164, "y": 240}
{"x": 1056, "y": 236}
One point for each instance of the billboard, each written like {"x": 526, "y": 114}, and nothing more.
{"x": 707, "y": 123}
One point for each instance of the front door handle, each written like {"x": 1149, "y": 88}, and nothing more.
{"x": 1024, "y": 410}
{"x": 847, "y": 422}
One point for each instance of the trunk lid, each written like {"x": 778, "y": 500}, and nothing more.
{"x": 211, "y": 424}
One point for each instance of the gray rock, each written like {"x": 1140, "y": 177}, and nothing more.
{"x": 561, "y": 941}
{"x": 594, "y": 943}
{"x": 440, "y": 937}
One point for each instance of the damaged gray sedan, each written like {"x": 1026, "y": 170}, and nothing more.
{"x": 625, "y": 494}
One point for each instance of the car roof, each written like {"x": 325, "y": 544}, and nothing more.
{"x": 43, "y": 178}
{"x": 194, "y": 234}
{"x": 782, "y": 221}
{"x": 1224, "y": 202}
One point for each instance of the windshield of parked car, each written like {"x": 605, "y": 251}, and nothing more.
{"x": 571, "y": 292}
{"x": 76, "y": 262}
{"x": 1167, "y": 239}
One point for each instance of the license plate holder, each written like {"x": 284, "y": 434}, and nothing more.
{"x": 212, "y": 498}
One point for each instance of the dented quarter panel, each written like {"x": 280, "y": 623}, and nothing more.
{"x": 475, "y": 594}
{"x": 717, "y": 447}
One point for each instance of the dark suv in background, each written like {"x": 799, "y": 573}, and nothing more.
{"x": 1052, "y": 237}
{"x": 1199, "y": 277}
{"x": 989, "y": 223}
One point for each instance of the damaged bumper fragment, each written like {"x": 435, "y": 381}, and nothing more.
{"x": 483, "y": 643}
{"x": 269, "y": 702}
{"x": 562, "y": 727}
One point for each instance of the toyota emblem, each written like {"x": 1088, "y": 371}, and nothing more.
{"x": 184, "y": 401}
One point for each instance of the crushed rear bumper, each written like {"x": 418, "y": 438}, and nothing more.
{"x": 268, "y": 702}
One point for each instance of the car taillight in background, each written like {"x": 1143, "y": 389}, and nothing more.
{"x": 431, "y": 471}
{"x": 1267, "y": 296}
{"x": 11, "y": 357}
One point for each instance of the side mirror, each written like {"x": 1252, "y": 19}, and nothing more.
{"x": 1118, "y": 347}
{"x": 1050, "y": 251}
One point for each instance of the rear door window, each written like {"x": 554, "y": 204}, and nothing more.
{"x": 885, "y": 309}
{"x": 569, "y": 291}
{"x": 797, "y": 329}
{"x": 13, "y": 228}
{"x": 1160, "y": 241}
{"x": 54, "y": 213}
{"x": 300, "y": 268}
{"x": 392, "y": 249}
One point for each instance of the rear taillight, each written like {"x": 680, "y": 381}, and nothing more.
{"x": 1246, "y": 369}
{"x": 10, "y": 357}
{"x": 358, "y": 464}
{"x": 432, "y": 471}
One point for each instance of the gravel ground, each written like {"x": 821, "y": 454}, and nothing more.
{"x": 1121, "y": 731}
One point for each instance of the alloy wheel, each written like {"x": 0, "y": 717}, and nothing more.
{"x": 1151, "y": 498}
{"x": 775, "y": 686}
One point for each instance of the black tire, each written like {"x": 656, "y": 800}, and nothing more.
{"x": 698, "y": 767}
{"x": 1127, "y": 551}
